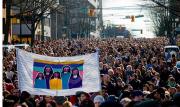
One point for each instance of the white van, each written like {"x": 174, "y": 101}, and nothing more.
{"x": 171, "y": 50}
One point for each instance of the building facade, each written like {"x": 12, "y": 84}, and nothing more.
{"x": 20, "y": 22}
{"x": 79, "y": 18}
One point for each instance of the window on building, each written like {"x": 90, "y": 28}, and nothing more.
{"x": 14, "y": 20}
{"x": 18, "y": 20}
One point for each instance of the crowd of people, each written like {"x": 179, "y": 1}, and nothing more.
{"x": 133, "y": 73}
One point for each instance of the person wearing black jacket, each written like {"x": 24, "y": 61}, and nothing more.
{"x": 135, "y": 82}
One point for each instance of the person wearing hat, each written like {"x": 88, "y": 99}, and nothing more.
{"x": 98, "y": 100}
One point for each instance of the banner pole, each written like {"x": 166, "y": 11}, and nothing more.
{"x": 56, "y": 92}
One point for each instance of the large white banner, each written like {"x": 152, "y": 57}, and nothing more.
{"x": 57, "y": 76}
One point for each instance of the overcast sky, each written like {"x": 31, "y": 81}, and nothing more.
{"x": 126, "y": 8}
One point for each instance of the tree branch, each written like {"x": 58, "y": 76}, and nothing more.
{"x": 26, "y": 23}
{"x": 170, "y": 9}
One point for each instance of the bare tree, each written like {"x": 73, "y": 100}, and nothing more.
{"x": 163, "y": 15}
{"x": 161, "y": 21}
{"x": 34, "y": 10}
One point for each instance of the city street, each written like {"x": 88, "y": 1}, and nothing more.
{"x": 91, "y": 53}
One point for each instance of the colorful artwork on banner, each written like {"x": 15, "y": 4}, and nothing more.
{"x": 57, "y": 75}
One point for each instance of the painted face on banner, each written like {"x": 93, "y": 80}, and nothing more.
{"x": 75, "y": 72}
{"x": 66, "y": 69}
{"x": 40, "y": 75}
{"x": 56, "y": 75}
{"x": 47, "y": 70}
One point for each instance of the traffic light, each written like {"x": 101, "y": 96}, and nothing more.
{"x": 132, "y": 18}
{"x": 91, "y": 12}
{"x": 141, "y": 31}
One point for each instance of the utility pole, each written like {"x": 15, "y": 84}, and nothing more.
{"x": 8, "y": 20}
{"x": 42, "y": 23}
{"x": 66, "y": 18}
{"x": 20, "y": 22}
{"x": 42, "y": 28}
{"x": 56, "y": 27}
